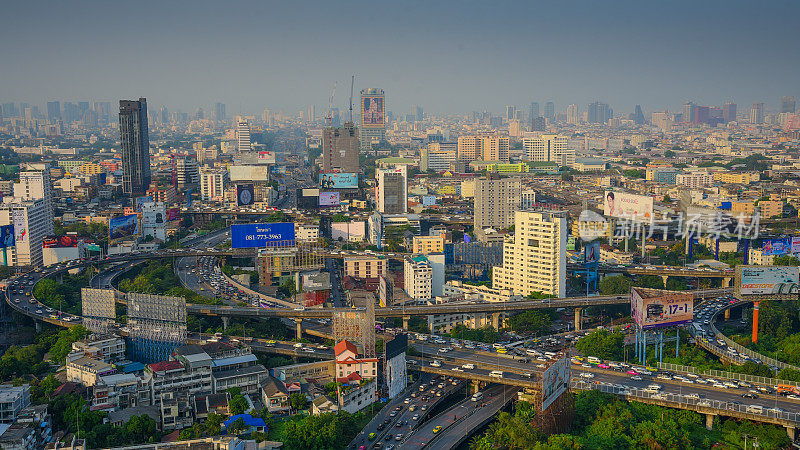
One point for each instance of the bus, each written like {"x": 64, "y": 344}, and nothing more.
{"x": 594, "y": 360}
{"x": 786, "y": 389}
{"x": 496, "y": 374}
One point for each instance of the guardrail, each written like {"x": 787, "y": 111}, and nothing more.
{"x": 684, "y": 401}
{"x": 766, "y": 381}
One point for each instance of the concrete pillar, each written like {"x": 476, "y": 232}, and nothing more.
{"x": 728, "y": 314}
{"x": 664, "y": 278}
{"x": 726, "y": 282}
{"x": 578, "y": 312}
{"x": 710, "y": 421}
{"x": 225, "y": 322}
{"x": 38, "y": 326}
{"x": 755, "y": 321}
{"x": 792, "y": 433}
{"x": 299, "y": 323}
{"x": 496, "y": 320}
{"x": 405, "y": 322}
{"x": 474, "y": 386}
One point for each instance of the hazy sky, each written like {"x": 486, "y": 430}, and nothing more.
{"x": 446, "y": 56}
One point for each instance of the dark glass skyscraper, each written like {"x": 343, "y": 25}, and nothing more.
{"x": 135, "y": 146}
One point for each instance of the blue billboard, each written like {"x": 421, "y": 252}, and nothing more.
{"x": 260, "y": 234}
{"x": 7, "y": 236}
{"x": 123, "y": 226}
{"x": 776, "y": 247}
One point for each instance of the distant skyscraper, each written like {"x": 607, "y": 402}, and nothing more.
{"x": 416, "y": 110}
{"x": 757, "y": 113}
{"x": 539, "y": 124}
{"x": 638, "y": 115}
{"x": 573, "y": 114}
{"x": 373, "y": 117}
{"x": 53, "y": 110}
{"x": 701, "y": 115}
{"x": 550, "y": 110}
{"x": 533, "y": 111}
{"x": 135, "y": 146}
{"x": 787, "y": 104}
{"x": 340, "y": 149}
{"x": 729, "y": 112}
{"x": 599, "y": 113}
{"x": 510, "y": 110}
{"x": 243, "y": 135}
{"x": 218, "y": 113}
{"x": 688, "y": 112}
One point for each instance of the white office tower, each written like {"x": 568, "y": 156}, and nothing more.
{"x": 535, "y": 257}
{"x": 496, "y": 199}
{"x": 549, "y": 147}
{"x": 212, "y": 184}
{"x": 36, "y": 185}
{"x": 32, "y": 220}
{"x": 392, "y": 191}
{"x": 243, "y": 135}
{"x": 187, "y": 172}
{"x": 418, "y": 277}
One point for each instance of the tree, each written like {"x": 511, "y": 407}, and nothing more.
{"x": 633, "y": 173}
{"x": 605, "y": 344}
{"x": 534, "y": 321}
{"x": 649, "y": 281}
{"x": 615, "y": 284}
{"x": 237, "y": 404}
{"x": 786, "y": 260}
{"x": 298, "y": 401}
{"x": 237, "y": 426}
{"x": 669, "y": 153}
{"x": 676, "y": 284}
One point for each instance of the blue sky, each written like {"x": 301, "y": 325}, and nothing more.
{"x": 447, "y": 56}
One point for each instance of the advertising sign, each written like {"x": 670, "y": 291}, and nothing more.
{"x": 329, "y": 199}
{"x": 266, "y": 157}
{"x": 6, "y": 236}
{"x": 757, "y": 280}
{"x": 591, "y": 253}
{"x": 555, "y": 380}
{"x": 245, "y": 194}
{"x": 142, "y": 200}
{"x": 627, "y": 206}
{"x": 338, "y": 180}
{"x": 59, "y": 241}
{"x": 20, "y": 225}
{"x": 173, "y": 214}
{"x": 123, "y": 226}
{"x": 259, "y": 234}
{"x": 777, "y": 247}
{"x": 153, "y": 218}
{"x": 653, "y": 308}
{"x": 372, "y": 114}
{"x": 428, "y": 200}
{"x": 796, "y": 245}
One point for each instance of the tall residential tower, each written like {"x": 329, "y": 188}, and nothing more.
{"x": 135, "y": 146}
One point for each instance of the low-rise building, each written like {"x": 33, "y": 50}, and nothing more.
{"x": 87, "y": 370}
{"x": 365, "y": 266}
{"x": 13, "y": 399}
{"x": 274, "y": 395}
{"x": 428, "y": 244}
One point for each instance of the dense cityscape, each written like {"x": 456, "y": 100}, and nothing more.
{"x": 362, "y": 264}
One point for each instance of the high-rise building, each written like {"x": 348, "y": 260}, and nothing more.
{"x": 187, "y": 171}
{"x": 243, "y": 135}
{"x": 757, "y": 113}
{"x": 599, "y": 113}
{"x": 549, "y": 147}
{"x": 218, "y": 113}
{"x": 212, "y": 184}
{"x": 36, "y": 185}
{"x": 573, "y": 114}
{"x": 53, "y": 110}
{"x": 438, "y": 156}
{"x": 729, "y": 112}
{"x": 539, "y": 124}
{"x": 496, "y": 199}
{"x": 416, "y": 110}
{"x": 688, "y": 112}
{"x": 535, "y": 257}
{"x": 392, "y": 190}
{"x": 550, "y": 111}
{"x": 469, "y": 148}
{"x": 373, "y": 117}
{"x": 486, "y": 148}
{"x": 510, "y": 112}
{"x": 340, "y": 149}
{"x": 787, "y": 104}
{"x": 32, "y": 220}
{"x": 638, "y": 115}
{"x": 702, "y": 114}
{"x": 135, "y": 146}
{"x": 533, "y": 110}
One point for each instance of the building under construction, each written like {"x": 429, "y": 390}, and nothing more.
{"x": 357, "y": 325}
{"x": 98, "y": 309}
{"x": 157, "y": 325}
{"x": 285, "y": 257}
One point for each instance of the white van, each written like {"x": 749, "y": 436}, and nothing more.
{"x": 755, "y": 409}
{"x": 468, "y": 366}
{"x": 477, "y": 396}
{"x": 496, "y": 374}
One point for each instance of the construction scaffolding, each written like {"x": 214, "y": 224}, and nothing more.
{"x": 280, "y": 257}
{"x": 157, "y": 325}
{"x": 98, "y": 309}
{"x": 357, "y": 325}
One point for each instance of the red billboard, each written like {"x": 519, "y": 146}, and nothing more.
{"x": 372, "y": 113}
{"x": 59, "y": 241}
{"x": 173, "y": 214}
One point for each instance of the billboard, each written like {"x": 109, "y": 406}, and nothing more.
{"x": 259, "y": 234}
{"x": 372, "y": 113}
{"x": 266, "y": 157}
{"x": 153, "y": 218}
{"x": 245, "y": 194}
{"x": 653, "y": 308}
{"x": 7, "y": 236}
{"x": 627, "y": 206}
{"x": 142, "y": 200}
{"x": 762, "y": 280}
{"x": 248, "y": 173}
{"x": 123, "y": 226}
{"x": 591, "y": 253}
{"x": 20, "y": 225}
{"x": 329, "y": 199}
{"x": 796, "y": 245}
{"x": 428, "y": 200}
{"x": 777, "y": 247}
{"x": 173, "y": 214}
{"x": 60, "y": 241}
{"x": 338, "y": 180}
{"x": 555, "y": 380}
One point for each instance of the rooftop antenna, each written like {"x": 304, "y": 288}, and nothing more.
{"x": 352, "y": 82}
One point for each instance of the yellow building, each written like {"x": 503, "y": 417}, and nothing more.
{"x": 91, "y": 168}
{"x": 736, "y": 178}
{"x": 770, "y": 208}
{"x": 508, "y": 168}
{"x": 365, "y": 266}
{"x": 744, "y": 208}
{"x": 428, "y": 244}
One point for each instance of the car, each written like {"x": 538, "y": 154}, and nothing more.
{"x": 407, "y": 400}
{"x": 636, "y": 378}
{"x": 587, "y": 375}
{"x": 380, "y": 426}
{"x": 437, "y": 429}
{"x": 749, "y": 395}
{"x": 388, "y": 437}
{"x": 416, "y": 417}
{"x": 372, "y": 436}
{"x": 398, "y": 437}
{"x": 436, "y": 364}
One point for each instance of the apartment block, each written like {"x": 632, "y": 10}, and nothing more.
{"x": 496, "y": 199}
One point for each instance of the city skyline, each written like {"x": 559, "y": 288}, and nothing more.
{"x": 626, "y": 55}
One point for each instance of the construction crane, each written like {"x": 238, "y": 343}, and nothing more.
{"x": 329, "y": 117}
{"x": 352, "y": 82}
